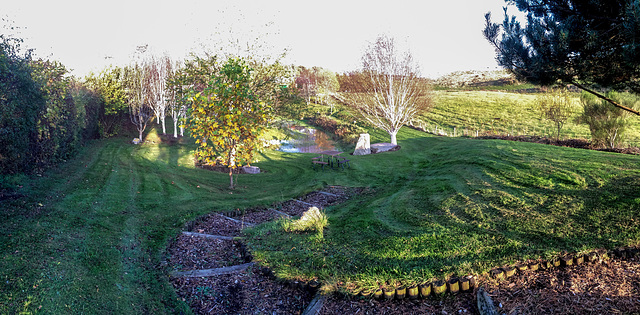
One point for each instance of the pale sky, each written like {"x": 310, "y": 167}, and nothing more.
{"x": 444, "y": 36}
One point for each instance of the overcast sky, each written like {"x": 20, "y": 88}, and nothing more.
{"x": 444, "y": 36}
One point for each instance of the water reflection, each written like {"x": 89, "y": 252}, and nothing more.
{"x": 307, "y": 140}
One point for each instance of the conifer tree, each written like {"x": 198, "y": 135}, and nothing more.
{"x": 589, "y": 44}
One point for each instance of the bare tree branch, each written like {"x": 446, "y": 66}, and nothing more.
{"x": 396, "y": 93}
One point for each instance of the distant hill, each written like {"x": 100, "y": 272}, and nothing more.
{"x": 476, "y": 79}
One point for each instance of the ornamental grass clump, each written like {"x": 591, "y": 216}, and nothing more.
{"x": 312, "y": 220}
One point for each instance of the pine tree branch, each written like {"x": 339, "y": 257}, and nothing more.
{"x": 612, "y": 102}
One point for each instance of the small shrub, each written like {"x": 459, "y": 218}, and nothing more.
{"x": 557, "y": 107}
{"x": 606, "y": 122}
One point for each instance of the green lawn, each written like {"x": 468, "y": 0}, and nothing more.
{"x": 499, "y": 112}
{"x": 454, "y": 206}
{"x": 90, "y": 235}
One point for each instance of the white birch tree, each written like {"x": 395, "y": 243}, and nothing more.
{"x": 159, "y": 71}
{"x": 177, "y": 101}
{"x": 396, "y": 93}
{"x": 136, "y": 83}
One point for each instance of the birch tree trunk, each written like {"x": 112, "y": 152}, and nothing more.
{"x": 160, "y": 69}
{"x": 174, "y": 114}
{"x": 231, "y": 163}
{"x": 394, "y": 140}
{"x": 136, "y": 79}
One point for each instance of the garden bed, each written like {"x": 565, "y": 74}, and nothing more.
{"x": 194, "y": 253}
{"x": 253, "y": 291}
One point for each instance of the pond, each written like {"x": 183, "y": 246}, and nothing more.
{"x": 306, "y": 140}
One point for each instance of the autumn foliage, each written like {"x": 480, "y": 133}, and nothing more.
{"x": 227, "y": 117}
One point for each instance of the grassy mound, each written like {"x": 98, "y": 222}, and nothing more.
{"x": 454, "y": 206}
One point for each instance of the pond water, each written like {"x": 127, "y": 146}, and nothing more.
{"x": 306, "y": 140}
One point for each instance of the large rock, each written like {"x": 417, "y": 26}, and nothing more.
{"x": 384, "y": 147}
{"x": 363, "y": 147}
{"x": 251, "y": 169}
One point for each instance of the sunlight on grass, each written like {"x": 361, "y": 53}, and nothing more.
{"x": 485, "y": 112}
{"x": 468, "y": 206}
{"x": 503, "y": 113}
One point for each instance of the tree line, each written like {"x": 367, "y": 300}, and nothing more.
{"x": 225, "y": 102}
{"x": 46, "y": 114}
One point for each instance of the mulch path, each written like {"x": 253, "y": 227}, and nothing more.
{"x": 217, "y": 224}
{"x": 611, "y": 287}
{"x": 253, "y": 291}
{"x": 197, "y": 253}
{"x": 608, "y": 287}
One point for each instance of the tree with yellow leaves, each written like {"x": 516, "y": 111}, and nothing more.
{"x": 227, "y": 117}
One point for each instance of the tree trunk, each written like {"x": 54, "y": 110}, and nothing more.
{"x": 175, "y": 124}
{"x": 231, "y": 163}
{"x": 175, "y": 128}
{"x": 393, "y": 134}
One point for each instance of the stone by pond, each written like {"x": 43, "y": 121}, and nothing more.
{"x": 306, "y": 140}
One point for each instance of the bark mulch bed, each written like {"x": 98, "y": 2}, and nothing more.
{"x": 320, "y": 200}
{"x": 292, "y": 208}
{"x": 609, "y": 287}
{"x": 253, "y": 291}
{"x": 612, "y": 287}
{"x": 222, "y": 169}
{"x": 196, "y": 253}
{"x": 259, "y": 216}
{"x": 217, "y": 224}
